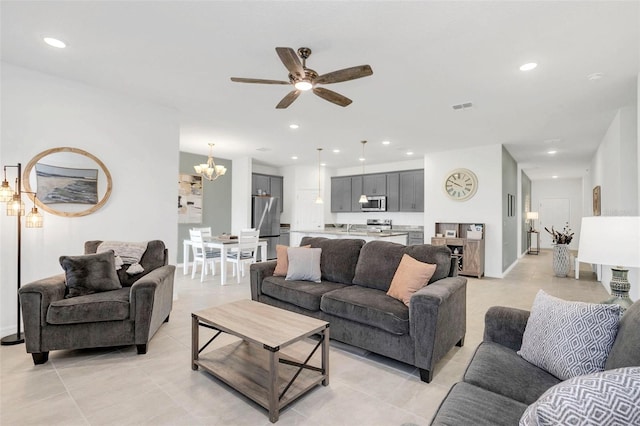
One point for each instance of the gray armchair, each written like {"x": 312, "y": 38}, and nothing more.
{"x": 126, "y": 316}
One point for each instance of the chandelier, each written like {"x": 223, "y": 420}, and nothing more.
{"x": 209, "y": 170}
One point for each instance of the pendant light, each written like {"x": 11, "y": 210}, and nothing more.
{"x": 34, "y": 218}
{"x": 319, "y": 199}
{"x": 363, "y": 198}
{"x": 210, "y": 170}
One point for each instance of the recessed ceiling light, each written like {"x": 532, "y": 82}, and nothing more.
{"x": 386, "y": 142}
{"x": 54, "y": 42}
{"x": 294, "y": 157}
{"x": 528, "y": 67}
{"x": 551, "y": 152}
{"x": 335, "y": 151}
{"x": 554, "y": 177}
{"x": 323, "y": 164}
{"x": 361, "y": 158}
{"x": 409, "y": 152}
{"x": 293, "y": 126}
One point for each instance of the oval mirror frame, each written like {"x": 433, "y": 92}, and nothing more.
{"x": 26, "y": 176}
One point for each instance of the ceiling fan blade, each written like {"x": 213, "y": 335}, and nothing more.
{"x": 288, "y": 100}
{"x": 344, "y": 75}
{"x": 332, "y": 96}
{"x": 291, "y": 61}
{"x": 258, "y": 80}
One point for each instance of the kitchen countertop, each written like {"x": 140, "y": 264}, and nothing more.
{"x": 355, "y": 233}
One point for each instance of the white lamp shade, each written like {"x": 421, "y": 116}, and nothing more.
{"x": 532, "y": 215}
{"x": 610, "y": 240}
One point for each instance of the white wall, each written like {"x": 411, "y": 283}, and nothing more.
{"x": 241, "y": 194}
{"x": 136, "y": 140}
{"x": 485, "y": 206}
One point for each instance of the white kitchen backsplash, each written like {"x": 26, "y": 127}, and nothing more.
{"x": 397, "y": 218}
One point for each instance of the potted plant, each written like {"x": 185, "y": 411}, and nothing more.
{"x": 561, "y": 258}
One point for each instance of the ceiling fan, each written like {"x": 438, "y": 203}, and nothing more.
{"x": 303, "y": 78}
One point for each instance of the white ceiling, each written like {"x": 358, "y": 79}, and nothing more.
{"x": 426, "y": 56}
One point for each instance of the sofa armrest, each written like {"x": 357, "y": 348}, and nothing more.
{"x": 258, "y": 272}
{"x": 35, "y": 299}
{"x": 151, "y": 300}
{"x": 505, "y": 326}
{"x": 438, "y": 319}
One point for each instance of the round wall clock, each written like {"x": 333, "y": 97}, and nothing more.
{"x": 461, "y": 184}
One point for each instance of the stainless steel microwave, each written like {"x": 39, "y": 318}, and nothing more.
{"x": 375, "y": 204}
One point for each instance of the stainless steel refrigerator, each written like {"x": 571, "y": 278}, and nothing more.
{"x": 265, "y": 216}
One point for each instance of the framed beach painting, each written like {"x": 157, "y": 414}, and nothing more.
{"x": 69, "y": 181}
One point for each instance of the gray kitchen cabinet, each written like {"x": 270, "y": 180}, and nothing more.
{"x": 393, "y": 192}
{"x": 415, "y": 238}
{"x": 341, "y": 194}
{"x": 260, "y": 184}
{"x": 268, "y": 185}
{"x": 412, "y": 191}
{"x": 375, "y": 184}
{"x": 356, "y": 191}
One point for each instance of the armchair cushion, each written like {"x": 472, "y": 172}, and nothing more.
{"x": 90, "y": 274}
{"x": 105, "y": 306}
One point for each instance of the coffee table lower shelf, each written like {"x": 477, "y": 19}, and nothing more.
{"x": 247, "y": 368}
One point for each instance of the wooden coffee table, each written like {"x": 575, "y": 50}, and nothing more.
{"x": 258, "y": 366}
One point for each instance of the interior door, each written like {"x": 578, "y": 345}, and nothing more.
{"x": 309, "y": 215}
{"x": 554, "y": 212}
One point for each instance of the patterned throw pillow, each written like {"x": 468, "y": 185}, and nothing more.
{"x": 569, "y": 339}
{"x": 606, "y": 398}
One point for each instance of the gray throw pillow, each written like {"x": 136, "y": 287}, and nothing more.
{"x": 91, "y": 273}
{"x": 569, "y": 339}
{"x": 304, "y": 264}
{"x": 606, "y": 398}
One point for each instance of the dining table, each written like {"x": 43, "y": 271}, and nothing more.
{"x": 222, "y": 244}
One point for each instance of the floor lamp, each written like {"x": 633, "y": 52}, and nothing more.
{"x": 15, "y": 207}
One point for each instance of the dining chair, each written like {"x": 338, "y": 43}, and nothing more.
{"x": 202, "y": 254}
{"x": 245, "y": 252}
{"x": 206, "y": 231}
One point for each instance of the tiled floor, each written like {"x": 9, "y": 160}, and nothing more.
{"x": 117, "y": 386}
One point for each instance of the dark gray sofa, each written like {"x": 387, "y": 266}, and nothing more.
{"x": 352, "y": 298}
{"x": 126, "y": 316}
{"x": 499, "y": 385}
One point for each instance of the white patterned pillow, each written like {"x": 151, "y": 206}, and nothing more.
{"x": 569, "y": 339}
{"x": 606, "y": 398}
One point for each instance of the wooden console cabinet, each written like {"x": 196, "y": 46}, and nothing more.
{"x": 466, "y": 243}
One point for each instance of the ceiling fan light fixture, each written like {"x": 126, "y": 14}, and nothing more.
{"x": 303, "y": 85}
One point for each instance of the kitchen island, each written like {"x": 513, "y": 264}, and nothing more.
{"x": 393, "y": 236}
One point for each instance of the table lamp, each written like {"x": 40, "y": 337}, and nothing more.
{"x": 613, "y": 241}
{"x": 532, "y": 216}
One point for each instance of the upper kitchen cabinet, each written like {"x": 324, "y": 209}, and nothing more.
{"x": 341, "y": 194}
{"x": 356, "y": 191}
{"x": 375, "y": 184}
{"x": 412, "y": 191}
{"x": 393, "y": 192}
{"x": 267, "y": 185}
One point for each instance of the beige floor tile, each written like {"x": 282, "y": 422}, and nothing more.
{"x": 118, "y": 386}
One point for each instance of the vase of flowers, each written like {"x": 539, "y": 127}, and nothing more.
{"x": 561, "y": 257}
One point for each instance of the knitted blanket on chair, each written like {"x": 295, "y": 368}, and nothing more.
{"x": 126, "y": 254}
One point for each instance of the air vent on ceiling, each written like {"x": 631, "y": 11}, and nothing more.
{"x": 263, "y": 149}
{"x": 465, "y": 105}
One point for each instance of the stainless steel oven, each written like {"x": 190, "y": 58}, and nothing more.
{"x": 375, "y": 204}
